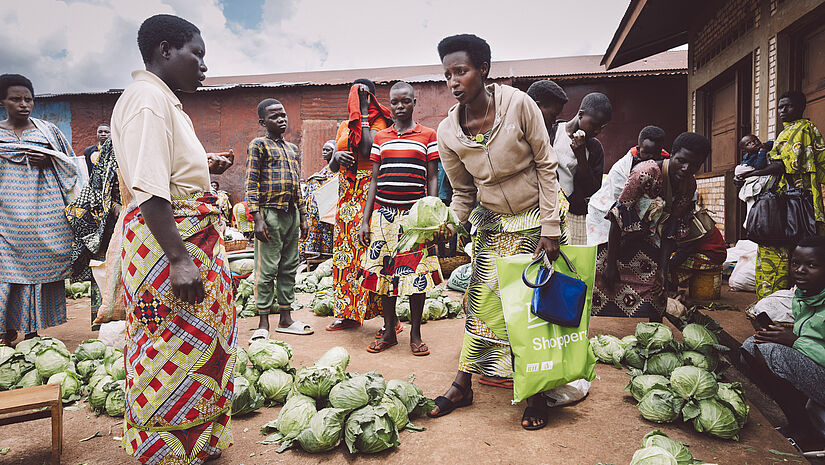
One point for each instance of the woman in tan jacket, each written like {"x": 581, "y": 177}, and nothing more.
{"x": 497, "y": 155}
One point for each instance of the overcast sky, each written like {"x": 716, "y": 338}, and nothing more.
{"x": 90, "y": 45}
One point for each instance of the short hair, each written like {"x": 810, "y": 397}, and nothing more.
{"x": 597, "y": 102}
{"x": 11, "y": 80}
{"x": 103, "y": 124}
{"x": 366, "y": 82}
{"x": 476, "y": 48}
{"x": 692, "y": 141}
{"x": 156, "y": 29}
{"x": 215, "y": 182}
{"x": 653, "y": 134}
{"x": 266, "y": 103}
{"x": 814, "y": 242}
{"x": 546, "y": 91}
{"x": 403, "y": 85}
{"x": 797, "y": 97}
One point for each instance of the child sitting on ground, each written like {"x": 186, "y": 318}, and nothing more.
{"x": 273, "y": 192}
{"x": 789, "y": 364}
{"x": 405, "y": 166}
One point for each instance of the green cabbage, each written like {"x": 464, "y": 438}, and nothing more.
{"x": 663, "y": 363}
{"x": 251, "y": 374}
{"x": 323, "y": 304}
{"x": 325, "y": 430}
{"x": 69, "y": 385}
{"x": 86, "y": 368}
{"x": 27, "y": 346}
{"x": 31, "y": 378}
{"x": 316, "y": 381}
{"x": 295, "y": 416}
{"x": 325, "y": 283}
{"x": 732, "y": 396}
{"x": 661, "y": 406}
{"x": 629, "y": 341}
{"x": 337, "y": 356}
{"x": 408, "y": 393}
{"x": 453, "y": 307}
{"x": 634, "y": 357}
{"x": 5, "y": 351}
{"x": 640, "y": 385}
{"x": 274, "y": 384}
{"x": 707, "y": 362}
{"x": 717, "y": 420}
{"x": 693, "y": 383}
{"x": 607, "y": 349}
{"x": 241, "y": 361}
{"x": 246, "y": 398}
{"x": 698, "y": 338}
{"x": 99, "y": 373}
{"x": 653, "y": 455}
{"x": 266, "y": 354}
{"x": 358, "y": 391}
{"x": 52, "y": 360}
{"x": 116, "y": 366}
{"x": 403, "y": 310}
{"x": 116, "y": 400}
{"x": 425, "y": 219}
{"x": 654, "y": 336}
{"x": 92, "y": 349}
{"x": 12, "y": 369}
{"x": 97, "y": 399}
{"x": 435, "y": 309}
{"x": 370, "y": 429}
{"x": 676, "y": 449}
{"x": 397, "y": 409}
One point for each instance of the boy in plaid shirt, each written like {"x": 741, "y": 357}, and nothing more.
{"x": 273, "y": 193}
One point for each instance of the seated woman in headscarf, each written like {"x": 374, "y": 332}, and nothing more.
{"x": 37, "y": 181}
{"x": 319, "y": 236}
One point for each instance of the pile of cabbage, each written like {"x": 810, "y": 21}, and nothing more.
{"x": 77, "y": 290}
{"x": 262, "y": 375}
{"x": 244, "y": 298}
{"x": 94, "y": 370}
{"x": 327, "y": 406}
{"x": 426, "y": 217}
{"x": 678, "y": 380}
{"x": 319, "y": 283}
{"x": 658, "y": 449}
{"x": 437, "y": 306}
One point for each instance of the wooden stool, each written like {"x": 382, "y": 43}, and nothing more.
{"x": 37, "y": 397}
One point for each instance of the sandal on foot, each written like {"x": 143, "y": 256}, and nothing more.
{"x": 420, "y": 349}
{"x": 343, "y": 323}
{"x": 259, "y": 333}
{"x": 446, "y": 406}
{"x": 505, "y": 383}
{"x": 380, "y": 346}
{"x": 297, "y": 327}
{"x": 535, "y": 414}
{"x": 380, "y": 333}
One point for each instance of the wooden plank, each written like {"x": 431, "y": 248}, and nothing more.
{"x": 57, "y": 432}
{"x": 29, "y": 398}
{"x": 20, "y": 418}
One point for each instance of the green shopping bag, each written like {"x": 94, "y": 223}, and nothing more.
{"x": 545, "y": 355}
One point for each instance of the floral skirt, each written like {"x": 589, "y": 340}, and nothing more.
{"x": 397, "y": 274}
{"x": 351, "y": 300}
{"x": 639, "y": 291}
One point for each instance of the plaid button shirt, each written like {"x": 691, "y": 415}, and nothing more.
{"x": 273, "y": 175}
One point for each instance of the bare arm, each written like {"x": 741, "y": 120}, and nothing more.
{"x": 432, "y": 178}
{"x": 185, "y": 277}
{"x": 775, "y": 167}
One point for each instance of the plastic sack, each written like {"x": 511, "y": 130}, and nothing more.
{"x": 545, "y": 356}
{"x": 113, "y": 334}
{"x": 567, "y": 394}
{"x": 460, "y": 278}
{"x": 743, "y": 277}
{"x": 776, "y": 305}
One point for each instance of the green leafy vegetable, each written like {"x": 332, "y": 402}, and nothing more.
{"x": 317, "y": 381}
{"x": 246, "y": 398}
{"x": 274, "y": 384}
{"x": 654, "y": 336}
{"x": 92, "y": 349}
{"x": 693, "y": 383}
{"x": 324, "y": 432}
{"x": 698, "y": 338}
{"x": 707, "y": 362}
{"x": 661, "y": 406}
{"x": 663, "y": 363}
{"x": 640, "y": 385}
{"x": 676, "y": 449}
{"x": 69, "y": 385}
{"x": 358, "y": 391}
{"x": 653, "y": 455}
{"x": 266, "y": 354}
{"x": 116, "y": 400}
{"x": 370, "y": 429}
{"x": 397, "y": 410}
{"x": 426, "y": 217}
{"x": 608, "y": 349}
{"x": 337, "y": 356}
{"x": 241, "y": 361}
{"x": 294, "y": 417}
{"x": 52, "y": 360}
{"x": 717, "y": 420}
{"x": 732, "y": 396}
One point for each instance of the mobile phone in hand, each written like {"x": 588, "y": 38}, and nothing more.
{"x": 764, "y": 320}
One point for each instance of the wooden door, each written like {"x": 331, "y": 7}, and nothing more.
{"x": 813, "y": 75}
{"x": 723, "y": 126}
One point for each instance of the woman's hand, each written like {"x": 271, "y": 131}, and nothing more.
{"x": 577, "y": 141}
{"x": 220, "y": 162}
{"x": 364, "y": 234}
{"x": 550, "y": 246}
{"x": 344, "y": 159}
{"x": 186, "y": 281}
{"x": 444, "y": 234}
{"x": 777, "y": 335}
{"x": 363, "y": 98}
{"x": 39, "y": 160}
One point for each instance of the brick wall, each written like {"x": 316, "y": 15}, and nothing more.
{"x": 729, "y": 22}
{"x": 711, "y": 192}
{"x": 772, "y": 87}
{"x": 757, "y": 93}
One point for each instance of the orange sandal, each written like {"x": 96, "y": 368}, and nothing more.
{"x": 380, "y": 333}
{"x": 380, "y": 346}
{"x": 419, "y": 350}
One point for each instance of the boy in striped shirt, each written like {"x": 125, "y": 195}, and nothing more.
{"x": 405, "y": 169}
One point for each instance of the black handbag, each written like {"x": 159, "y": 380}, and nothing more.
{"x": 781, "y": 219}
{"x": 557, "y": 298}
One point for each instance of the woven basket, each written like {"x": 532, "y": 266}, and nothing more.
{"x": 449, "y": 264}
{"x": 238, "y": 244}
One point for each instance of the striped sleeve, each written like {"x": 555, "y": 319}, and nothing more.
{"x": 375, "y": 153}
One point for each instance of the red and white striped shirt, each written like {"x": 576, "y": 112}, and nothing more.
{"x": 402, "y": 177}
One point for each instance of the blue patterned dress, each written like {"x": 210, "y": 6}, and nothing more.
{"x": 35, "y": 240}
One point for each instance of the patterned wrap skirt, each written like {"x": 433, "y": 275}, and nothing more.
{"x": 394, "y": 274}
{"x": 179, "y": 356}
{"x": 351, "y": 300}
{"x": 486, "y": 346}
{"x": 772, "y": 269}
{"x": 639, "y": 292}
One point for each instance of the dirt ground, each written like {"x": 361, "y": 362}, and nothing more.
{"x": 605, "y": 427}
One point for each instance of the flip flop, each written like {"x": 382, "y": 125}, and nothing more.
{"x": 504, "y": 383}
{"x": 343, "y": 323}
{"x": 419, "y": 350}
{"x": 380, "y": 346}
{"x": 446, "y": 406}
{"x": 297, "y": 327}
{"x": 380, "y": 333}
{"x": 259, "y": 333}
{"x": 535, "y": 413}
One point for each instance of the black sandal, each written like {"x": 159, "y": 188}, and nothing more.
{"x": 446, "y": 406}
{"x": 536, "y": 414}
